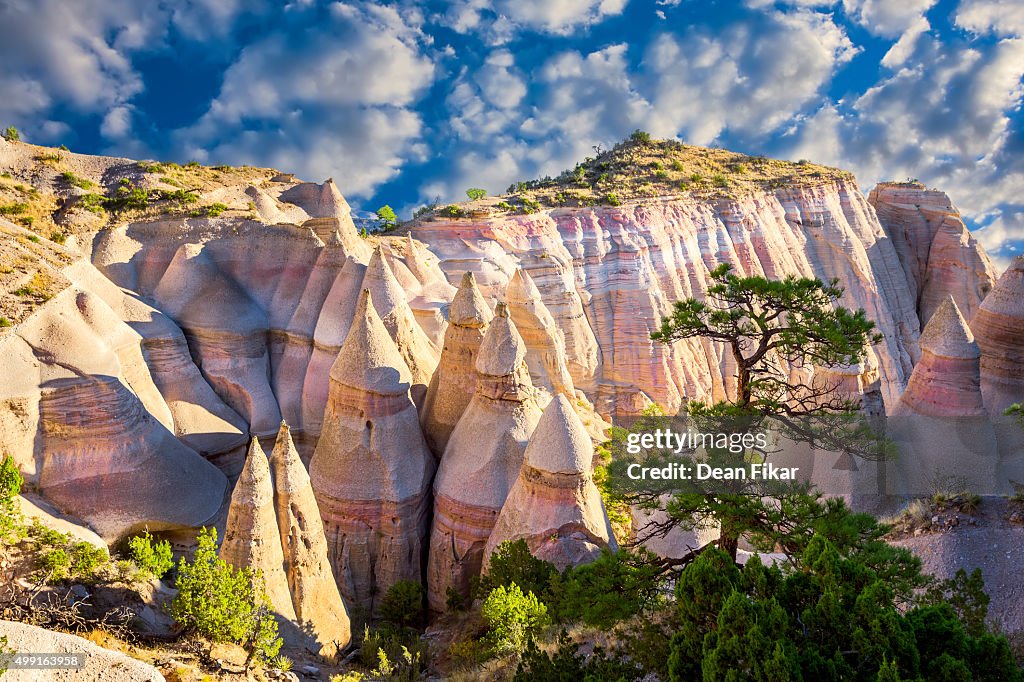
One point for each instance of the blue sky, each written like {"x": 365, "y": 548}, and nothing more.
{"x": 405, "y": 101}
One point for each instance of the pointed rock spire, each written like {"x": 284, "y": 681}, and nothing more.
{"x": 252, "y": 538}
{"x": 481, "y": 461}
{"x": 545, "y": 342}
{"x": 420, "y": 353}
{"x": 946, "y": 381}
{"x": 997, "y": 327}
{"x": 554, "y": 504}
{"x": 318, "y": 605}
{"x": 371, "y": 471}
{"x": 454, "y": 382}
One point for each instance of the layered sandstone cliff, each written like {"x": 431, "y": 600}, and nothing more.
{"x": 998, "y": 326}
{"x": 372, "y": 471}
{"x": 609, "y": 274}
{"x": 482, "y": 461}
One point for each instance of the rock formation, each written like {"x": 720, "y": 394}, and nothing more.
{"x": 545, "y": 343}
{"x": 371, "y": 471}
{"x": 419, "y": 352}
{"x": 482, "y": 460}
{"x": 425, "y": 286}
{"x": 609, "y": 274}
{"x": 318, "y": 606}
{"x": 454, "y": 381}
{"x": 554, "y": 504}
{"x": 998, "y": 327}
{"x": 251, "y": 537}
{"x": 940, "y": 256}
{"x": 226, "y": 331}
{"x": 946, "y": 381}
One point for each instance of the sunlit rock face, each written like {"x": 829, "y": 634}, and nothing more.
{"x": 372, "y": 471}
{"x": 319, "y": 610}
{"x": 482, "y": 460}
{"x": 608, "y": 275}
{"x": 947, "y": 379}
{"x": 940, "y": 256}
{"x": 998, "y": 327}
{"x": 454, "y": 383}
{"x": 554, "y": 505}
{"x": 545, "y": 342}
{"x": 251, "y": 537}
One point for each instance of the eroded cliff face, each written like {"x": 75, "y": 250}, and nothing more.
{"x": 608, "y": 275}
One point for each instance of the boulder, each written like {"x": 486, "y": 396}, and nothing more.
{"x": 371, "y": 471}
{"x": 482, "y": 460}
{"x": 319, "y": 609}
{"x": 454, "y": 383}
{"x": 554, "y": 505}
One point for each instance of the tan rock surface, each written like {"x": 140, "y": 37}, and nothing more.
{"x": 554, "y": 505}
{"x": 101, "y": 665}
{"x": 251, "y": 537}
{"x": 318, "y": 606}
{"x": 482, "y": 460}
{"x": 454, "y": 382}
{"x": 372, "y": 471}
{"x": 419, "y": 352}
{"x": 998, "y": 327}
{"x": 545, "y": 342}
{"x": 947, "y": 379}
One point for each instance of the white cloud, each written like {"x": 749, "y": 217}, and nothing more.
{"x": 332, "y": 99}
{"x": 497, "y": 21}
{"x": 1002, "y": 17}
{"x": 887, "y": 17}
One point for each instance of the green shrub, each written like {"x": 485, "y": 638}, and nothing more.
{"x": 192, "y": 164}
{"x": 453, "y": 211}
{"x": 640, "y": 137}
{"x": 127, "y": 197}
{"x": 614, "y": 587}
{"x": 403, "y": 603}
{"x": 10, "y": 487}
{"x": 678, "y": 166}
{"x": 4, "y": 322}
{"x": 152, "y": 558}
{"x": 76, "y": 181}
{"x": 94, "y": 203}
{"x": 54, "y": 563}
{"x": 34, "y": 238}
{"x": 719, "y": 180}
{"x": 147, "y": 167}
{"x": 567, "y": 665}
{"x": 86, "y": 559}
{"x": 511, "y": 563}
{"x": 386, "y": 217}
{"x": 11, "y": 134}
{"x": 612, "y": 199}
{"x": 224, "y": 604}
{"x": 183, "y": 196}
{"x": 13, "y": 209}
{"x": 58, "y": 237}
{"x": 475, "y": 193}
{"x": 392, "y": 655}
{"x": 512, "y": 618}
{"x": 215, "y": 209}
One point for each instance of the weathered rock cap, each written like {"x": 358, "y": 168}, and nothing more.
{"x": 369, "y": 358}
{"x": 253, "y": 488}
{"x": 948, "y": 335}
{"x": 560, "y": 444}
{"x": 503, "y": 349}
{"x": 381, "y": 281}
{"x": 522, "y": 287}
{"x": 468, "y": 307}
{"x": 1007, "y": 296}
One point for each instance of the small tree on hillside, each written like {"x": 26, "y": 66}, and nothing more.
{"x": 386, "y": 217}
{"x": 224, "y": 604}
{"x": 11, "y": 134}
{"x": 475, "y": 193}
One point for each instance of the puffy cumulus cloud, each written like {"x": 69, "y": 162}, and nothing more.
{"x": 1003, "y": 237}
{"x": 332, "y": 96}
{"x": 500, "y": 20}
{"x": 888, "y": 18}
{"x": 1002, "y": 17}
{"x": 748, "y": 78}
{"x": 948, "y": 114}
{"x": 75, "y": 55}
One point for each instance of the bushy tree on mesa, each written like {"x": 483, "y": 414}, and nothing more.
{"x": 224, "y": 604}
{"x": 475, "y": 193}
{"x": 11, "y": 134}
{"x": 386, "y": 217}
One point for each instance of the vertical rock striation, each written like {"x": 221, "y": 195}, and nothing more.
{"x": 946, "y": 381}
{"x": 251, "y": 538}
{"x": 319, "y": 609}
{"x": 554, "y": 505}
{"x": 454, "y": 383}
{"x": 545, "y": 342}
{"x": 998, "y": 327}
{"x": 940, "y": 256}
{"x": 371, "y": 471}
{"x": 482, "y": 460}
